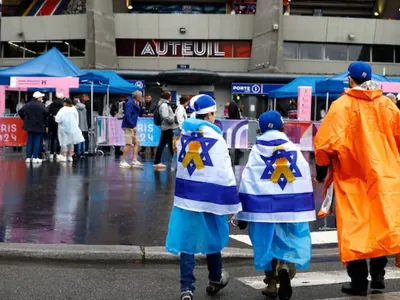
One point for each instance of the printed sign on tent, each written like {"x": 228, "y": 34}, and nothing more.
{"x": 61, "y": 84}
{"x": 304, "y": 103}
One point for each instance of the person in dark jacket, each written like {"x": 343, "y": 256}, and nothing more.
{"x": 54, "y": 107}
{"x": 148, "y": 109}
{"x": 35, "y": 116}
{"x": 233, "y": 111}
{"x": 84, "y": 98}
{"x": 131, "y": 114}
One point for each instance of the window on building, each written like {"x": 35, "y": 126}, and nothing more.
{"x": 124, "y": 47}
{"x": 290, "y": 50}
{"x": 13, "y": 49}
{"x": 76, "y": 48}
{"x": 311, "y": 51}
{"x": 358, "y": 52}
{"x": 335, "y": 52}
{"x": 397, "y": 54}
{"x": 60, "y": 45}
{"x": 382, "y": 53}
{"x": 34, "y": 49}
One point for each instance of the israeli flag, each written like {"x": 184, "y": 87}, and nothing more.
{"x": 205, "y": 181}
{"x": 276, "y": 184}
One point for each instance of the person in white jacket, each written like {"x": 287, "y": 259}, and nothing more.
{"x": 180, "y": 116}
{"x": 69, "y": 132}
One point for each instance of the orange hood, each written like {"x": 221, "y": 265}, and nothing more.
{"x": 363, "y": 94}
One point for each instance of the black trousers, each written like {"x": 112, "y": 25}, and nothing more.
{"x": 358, "y": 271}
{"x": 54, "y": 143}
{"x": 165, "y": 139}
{"x": 86, "y": 137}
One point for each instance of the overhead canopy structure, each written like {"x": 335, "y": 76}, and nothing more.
{"x": 337, "y": 83}
{"x": 117, "y": 85}
{"x": 291, "y": 89}
{"x": 50, "y": 64}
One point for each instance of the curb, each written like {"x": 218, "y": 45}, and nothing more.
{"x": 117, "y": 253}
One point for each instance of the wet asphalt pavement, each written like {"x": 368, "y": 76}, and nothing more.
{"x": 57, "y": 281}
{"x": 92, "y": 201}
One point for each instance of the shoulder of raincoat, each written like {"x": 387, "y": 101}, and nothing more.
{"x": 360, "y": 139}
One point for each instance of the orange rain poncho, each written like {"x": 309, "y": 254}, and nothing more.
{"x": 360, "y": 138}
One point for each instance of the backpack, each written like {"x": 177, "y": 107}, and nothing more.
{"x": 120, "y": 115}
{"x": 157, "y": 119}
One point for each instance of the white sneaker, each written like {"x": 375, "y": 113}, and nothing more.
{"x": 137, "y": 164}
{"x": 51, "y": 157}
{"x": 28, "y": 160}
{"x": 36, "y": 161}
{"x": 61, "y": 158}
{"x": 124, "y": 165}
{"x": 70, "y": 159}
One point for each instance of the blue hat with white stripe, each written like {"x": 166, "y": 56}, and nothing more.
{"x": 203, "y": 104}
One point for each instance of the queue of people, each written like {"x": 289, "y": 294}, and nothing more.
{"x": 60, "y": 121}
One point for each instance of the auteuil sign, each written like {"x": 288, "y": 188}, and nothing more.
{"x": 192, "y": 48}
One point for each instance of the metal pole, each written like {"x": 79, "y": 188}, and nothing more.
{"x": 315, "y": 108}
{"x": 327, "y": 102}
{"x": 274, "y": 103}
{"x": 91, "y": 136}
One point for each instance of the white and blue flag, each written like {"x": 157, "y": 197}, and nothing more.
{"x": 205, "y": 181}
{"x": 276, "y": 184}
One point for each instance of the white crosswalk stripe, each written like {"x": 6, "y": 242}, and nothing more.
{"x": 317, "y": 237}
{"x": 314, "y": 278}
{"x": 385, "y": 296}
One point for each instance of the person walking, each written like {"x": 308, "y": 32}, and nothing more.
{"x": 180, "y": 117}
{"x": 168, "y": 124}
{"x": 35, "y": 116}
{"x": 54, "y": 108}
{"x": 129, "y": 122}
{"x": 69, "y": 133}
{"x": 357, "y": 146}
{"x": 83, "y": 125}
{"x": 148, "y": 109}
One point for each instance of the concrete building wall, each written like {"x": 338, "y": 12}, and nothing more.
{"x": 200, "y": 27}
{"x": 65, "y": 27}
{"x": 338, "y": 30}
{"x": 266, "y": 55}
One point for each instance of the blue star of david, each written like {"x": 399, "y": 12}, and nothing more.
{"x": 205, "y": 143}
{"x": 290, "y": 156}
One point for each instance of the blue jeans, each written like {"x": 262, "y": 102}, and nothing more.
{"x": 80, "y": 148}
{"x": 187, "y": 262}
{"x": 34, "y": 145}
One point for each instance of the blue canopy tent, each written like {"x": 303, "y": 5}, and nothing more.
{"x": 50, "y": 64}
{"x": 290, "y": 90}
{"x": 116, "y": 84}
{"x": 337, "y": 83}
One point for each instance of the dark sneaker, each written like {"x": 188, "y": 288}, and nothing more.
{"x": 285, "y": 287}
{"x": 378, "y": 283}
{"x": 187, "y": 295}
{"x": 348, "y": 289}
{"x": 271, "y": 280}
{"x": 214, "y": 287}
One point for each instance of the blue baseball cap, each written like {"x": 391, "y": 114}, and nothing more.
{"x": 360, "y": 70}
{"x": 270, "y": 120}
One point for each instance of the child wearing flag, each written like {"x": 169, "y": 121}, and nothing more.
{"x": 277, "y": 197}
{"x": 205, "y": 194}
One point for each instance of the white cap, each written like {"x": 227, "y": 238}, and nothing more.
{"x": 38, "y": 95}
{"x": 60, "y": 95}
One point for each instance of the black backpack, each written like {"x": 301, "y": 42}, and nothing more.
{"x": 157, "y": 119}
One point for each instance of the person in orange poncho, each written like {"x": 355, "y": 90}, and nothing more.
{"x": 359, "y": 142}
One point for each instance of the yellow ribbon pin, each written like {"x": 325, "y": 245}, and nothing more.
{"x": 194, "y": 154}
{"x": 281, "y": 168}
